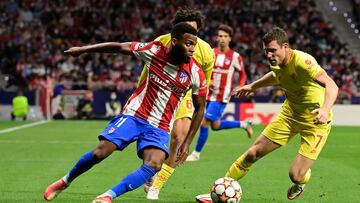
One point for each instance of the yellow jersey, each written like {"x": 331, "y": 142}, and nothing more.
{"x": 203, "y": 54}
{"x": 297, "y": 78}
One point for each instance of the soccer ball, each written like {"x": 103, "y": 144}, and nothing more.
{"x": 226, "y": 190}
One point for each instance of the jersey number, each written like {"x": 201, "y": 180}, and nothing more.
{"x": 189, "y": 104}
{"x": 320, "y": 138}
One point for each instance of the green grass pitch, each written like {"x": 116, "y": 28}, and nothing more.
{"x": 34, "y": 157}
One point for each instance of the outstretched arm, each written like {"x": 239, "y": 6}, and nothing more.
{"x": 267, "y": 80}
{"x": 331, "y": 91}
{"x": 199, "y": 105}
{"x": 107, "y": 47}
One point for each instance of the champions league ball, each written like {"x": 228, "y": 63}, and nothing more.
{"x": 226, "y": 190}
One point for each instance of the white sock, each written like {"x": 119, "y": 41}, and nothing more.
{"x": 243, "y": 124}
{"x": 65, "y": 178}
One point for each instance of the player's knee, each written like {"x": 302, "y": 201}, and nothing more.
{"x": 205, "y": 123}
{"x": 154, "y": 165}
{"x": 215, "y": 126}
{"x": 98, "y": 156}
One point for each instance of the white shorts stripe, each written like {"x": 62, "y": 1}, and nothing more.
{"x": 123, "y": 120}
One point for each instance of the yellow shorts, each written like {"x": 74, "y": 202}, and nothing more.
{"x": 313, "y": 137}
{"x": 186, "y": 108}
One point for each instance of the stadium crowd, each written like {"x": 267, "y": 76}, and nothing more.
{"x": 356, "y": 11}
{"x": 34, "y": 33}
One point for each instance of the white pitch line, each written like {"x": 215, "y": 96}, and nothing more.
{"x": 23, "y": 126}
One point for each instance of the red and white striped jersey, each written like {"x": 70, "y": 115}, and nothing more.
{"x": 157, "y": 98}
{"x": 226, "y": 64}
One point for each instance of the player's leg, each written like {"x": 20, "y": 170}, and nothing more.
{"x": 242, "y": 165}
{"x": 88, "y": 160}
{"x": 299, "y": 174}
{"x": 180, "y": 129}
{"x": 212, "y": 114}
{"x": 108, "y": 143}
{"x": 259, "y": 149}
{"x": 153, "y": 159}
{"x": 224, "y": 124}
{"x": 179, "y": 132}
{"x": 201, "y": 141}
{"x": 276, "y": 134}
{"x": 313, "y": 139}
{"x": 102, "y": 150}
{"x": 218, "y": 124}
{"x": 152, "y": 145}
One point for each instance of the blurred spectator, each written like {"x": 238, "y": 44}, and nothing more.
{"x": 33, "y": 35}
{"x": 112, "y": 106}
{"x": 59, "y": 114}
{"x": 356, "y": 11}
{"x": 85, "y": 106}
{"x": 20, "y": 106}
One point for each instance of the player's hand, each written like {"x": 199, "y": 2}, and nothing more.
{"x": 243, "y": 91}
{"x": 182, "y": 153}
{"x": 75, "y": 51}
{"x": 321, "y": 117}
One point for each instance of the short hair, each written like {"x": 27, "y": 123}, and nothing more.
{"x": 181, "y": 28}
{"x": 188, "y": 14}
{"x": 226, "y": 29}
{"x": 277, "y": 34}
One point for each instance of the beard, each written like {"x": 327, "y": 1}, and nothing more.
{"x": 178, "y": 53}
{"x": 273, "y": 62}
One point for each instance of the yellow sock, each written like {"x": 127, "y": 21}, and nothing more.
{"x": 239, "y": 168}
{"x": 162, "y": 176}
{"x": 307, "y": 177}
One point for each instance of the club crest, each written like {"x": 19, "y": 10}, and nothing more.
{"x": 183, "y": 77}
{"x": 227, "y": 62}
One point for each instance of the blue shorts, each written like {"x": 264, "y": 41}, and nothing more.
{"x": 124, "y": 129}
{"x": 214, "y": 110}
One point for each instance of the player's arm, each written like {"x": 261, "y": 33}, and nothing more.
{"x": 331, "y": 92}
{"x": 242, "y": 73}
{"x": 208, "y": 67}
{"x": 107, "y": 47}
{"x": 199, "y": 92}
{"x": 199, "y": 105}
{"x": 268, "y": 79}
{"x": 242, "y": 76}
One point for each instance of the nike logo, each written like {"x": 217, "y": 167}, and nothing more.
{"x": 130, "y": 186}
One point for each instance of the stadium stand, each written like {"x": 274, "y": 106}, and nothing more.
{"x": 33, "y": 35}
